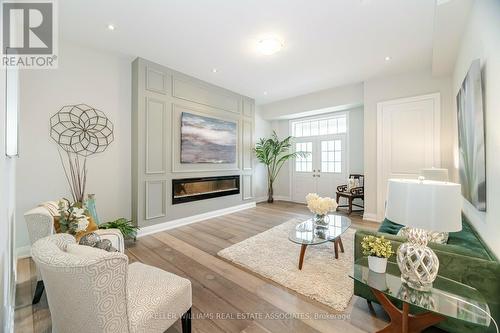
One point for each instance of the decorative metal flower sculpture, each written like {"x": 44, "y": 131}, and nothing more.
{"x": 81, "y": 129}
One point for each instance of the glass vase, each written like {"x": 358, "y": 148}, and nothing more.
{"x": 90, "y": 205}
{"x": 321, "y": 221}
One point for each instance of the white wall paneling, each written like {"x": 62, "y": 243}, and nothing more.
{"x": 206, "y": 94}
{"x": 155, "y": 136}
{"x": 157, "y": 81}
{"x": 248, "y": 107}
{"x": 247, "y": 144}
{"x": 159, "y": 97}
{"x": 155, "y": 202}
{"x": 247, "y": 187}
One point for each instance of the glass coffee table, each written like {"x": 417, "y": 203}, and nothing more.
{"x": 307, "y": 233}
{"x": 446, "y": 299}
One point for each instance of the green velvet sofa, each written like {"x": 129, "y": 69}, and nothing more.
{"x": 465, "y": 258}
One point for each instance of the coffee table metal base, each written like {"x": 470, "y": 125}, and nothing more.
{"x": 337, "y": 243}
{"x": 401, "y": 320}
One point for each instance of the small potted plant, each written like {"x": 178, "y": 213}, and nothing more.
{"x": 378, "y": 251}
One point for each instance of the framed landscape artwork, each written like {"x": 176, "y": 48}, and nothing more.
{"x": 207, "y": 140}
{"x": 472, "y": 163}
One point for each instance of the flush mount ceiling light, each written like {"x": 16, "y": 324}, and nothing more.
{"x": 269, "y": 45}
{"x": 265, "y": 93}
{"x": 214, "y": 70}
{"x": 111, "y": 27}
{"x": 388, "y": 58}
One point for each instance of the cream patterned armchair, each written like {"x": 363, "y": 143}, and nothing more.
{"x": 40, "y": 223}
{"x": 92, "y": 290}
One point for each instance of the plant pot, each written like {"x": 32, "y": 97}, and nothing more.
{"x": 377, "y": 280}
{"x": 376, "y": 264}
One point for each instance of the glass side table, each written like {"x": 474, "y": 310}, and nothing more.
{"x": 447, "y": 299}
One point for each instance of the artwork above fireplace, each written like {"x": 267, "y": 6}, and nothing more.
{"x": 194, "y": 189}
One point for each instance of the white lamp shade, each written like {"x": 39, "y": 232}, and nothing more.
{"x": 429, "y": 205}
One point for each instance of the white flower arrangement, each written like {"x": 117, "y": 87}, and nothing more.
{"x": 72, "y": 218}
{"x": 319, "y": 205}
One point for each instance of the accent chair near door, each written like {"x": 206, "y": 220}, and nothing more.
{"x": 352, "y": 193}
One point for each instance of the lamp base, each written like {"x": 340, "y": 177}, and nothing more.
{"x": 417, "y": 262}
{"x": 417, "y": 285}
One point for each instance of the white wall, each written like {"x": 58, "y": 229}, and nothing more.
{"x": 356, "y": 141}
{"x": 383, "y": 89}
{"x": 262, "y": 130}
{"x": 333, "y": 99}
{"x": 482, "y": 40}
{"x": 99, "y": 79}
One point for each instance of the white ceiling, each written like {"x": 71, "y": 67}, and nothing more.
{"x": 328, "y": 43}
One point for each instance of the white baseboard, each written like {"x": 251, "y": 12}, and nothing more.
{"x": 23, "y": 252}
{"x": 144, "y": 231}
{"x": 282, "y": 198}
{"x": 276, "y": 197}
{"x": 370, "y": 217}
{"x": 260, "y": 199}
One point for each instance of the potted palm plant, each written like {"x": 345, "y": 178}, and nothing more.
{"x": 273, "y": 153}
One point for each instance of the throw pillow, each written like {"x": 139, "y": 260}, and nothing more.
{"x": 350, "y": 183}
{"x": 432, "y": 236}
{"x": 90, "y": 228}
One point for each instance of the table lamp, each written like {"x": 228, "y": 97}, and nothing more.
{"x": 423, "y": 205}
{"x": 438, "y": 174}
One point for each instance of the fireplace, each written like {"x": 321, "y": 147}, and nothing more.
{"x": 194, "y": 189}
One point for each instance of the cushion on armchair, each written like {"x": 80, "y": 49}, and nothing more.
{"x": 83, "y": 250}
{"x": 156, "y": 298}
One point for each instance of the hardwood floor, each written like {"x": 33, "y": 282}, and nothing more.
{"x": 226, "y": 298}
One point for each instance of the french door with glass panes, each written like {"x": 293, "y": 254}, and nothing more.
{"x": 326, "y": 165}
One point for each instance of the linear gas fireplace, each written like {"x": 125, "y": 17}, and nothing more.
{"x": 193, "y": 189}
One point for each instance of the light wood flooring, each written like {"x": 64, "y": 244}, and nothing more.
{"x": 222, "y": 290}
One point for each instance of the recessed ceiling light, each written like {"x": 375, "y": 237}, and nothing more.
{"x": 111, "y": 27}
{"x": 265, "y": 92}
{"x": 214, "y": 70}
{"x": 388, "y": 58}
{"x": 269, "y": 45}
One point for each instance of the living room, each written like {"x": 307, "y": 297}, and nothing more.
{"x": 270, "y": 166}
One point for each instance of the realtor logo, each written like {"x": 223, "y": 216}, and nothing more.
{"x": 29, "y": 34}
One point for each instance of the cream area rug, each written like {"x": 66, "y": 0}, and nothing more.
{"x": 322, "y": 277}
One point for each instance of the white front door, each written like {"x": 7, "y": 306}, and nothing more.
{"x": 332, "y": 166}
{"x": 326, "y": 165}
{"x": 408, "y": 140}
